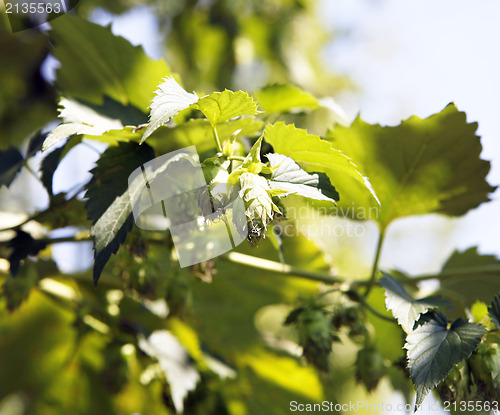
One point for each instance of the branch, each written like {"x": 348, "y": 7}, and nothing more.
{"x": 279, "y": 268}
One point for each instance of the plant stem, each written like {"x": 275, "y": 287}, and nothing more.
{"x": 279, "y": 268}
{"x": 217, "y": 141}
{"x": 236, "y": 158}
{"x": 373, "y": 276}
{"x": 376, "y": 313}
{"x": 292, "y": 271}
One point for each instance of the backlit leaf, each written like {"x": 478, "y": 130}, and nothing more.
{"x": 315, "y": 155}
{"x": 170, "y": 98}
{"x": 420, "y": 166}
{"x": 285, "y": 98}
{"x": 225, "y": 105}
{"x": 469, "y": 276}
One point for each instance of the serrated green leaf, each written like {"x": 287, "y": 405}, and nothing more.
{"x": 404, "y": 308}
{"x": 290, "y": 177}
{"x": 170, "y": 98}
{"x": 95, "y": 63}
{"x": 494, "y": 311}
{"x": 433, "y": 349}
{"x": 225, "y": 105}
{"x": 108, "y": 194}
{"x": 279, "y": 98}
{"x": 420, "y": 166}
{"x": 315, "y": 155}
{"x": 469, "y": 276}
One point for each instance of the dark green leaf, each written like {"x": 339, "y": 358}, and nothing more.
{"x": 11, "y": 162}
{"x": 108, "y": 205}
{"x": 290, "y": 177}
{"x": 23, "y": 245}
{"x": 494, "y": 311}
{"x": 420, "y": 166}
{"x": 95, "y": 63}
{"x": 293, "y": 317}
{"x": 433, "y": 349}
{"x": 404, "y": 308}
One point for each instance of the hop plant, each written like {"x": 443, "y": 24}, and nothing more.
{"x": 485, "y": 367}
{"x": 369, "y": 367}
{"x": 315, "y": 336}
{"x": 259, "y": 206}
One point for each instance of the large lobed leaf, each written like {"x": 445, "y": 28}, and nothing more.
{"x": 278, "y": 98}
{"x": 433, "y": 349}
{"x": 315, "y": 155}
{"x": 469, "y": 276}
{"x": 95, "y": 63}
{"x": 404, "y": 308}
{"x": 420, "y": 166}
{"x": 108, "y": 204}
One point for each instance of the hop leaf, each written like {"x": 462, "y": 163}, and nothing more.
{"x": 169, "y": 100}
{"x": 223, "y": 106}
{"x": 433, "y": 349}
{"x": 404, "y": 308}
